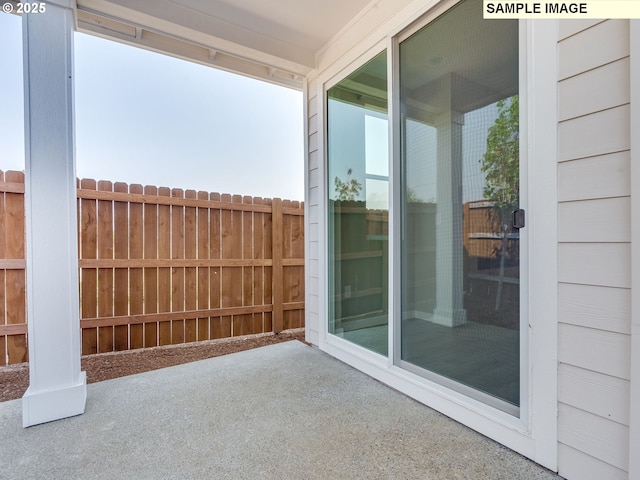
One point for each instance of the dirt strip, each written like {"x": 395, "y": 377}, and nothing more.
{"x": 14, "y": 379}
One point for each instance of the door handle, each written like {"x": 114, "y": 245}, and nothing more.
{"x": 518, "y": 218}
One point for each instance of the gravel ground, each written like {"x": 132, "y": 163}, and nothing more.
{"x": 14, "y": 379}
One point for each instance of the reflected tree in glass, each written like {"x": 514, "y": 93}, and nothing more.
{"x": 501, "y": 165}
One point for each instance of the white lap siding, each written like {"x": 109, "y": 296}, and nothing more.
{"x": 313, "y": 216}
{"x": 594, "y": 251}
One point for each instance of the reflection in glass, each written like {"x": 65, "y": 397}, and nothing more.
{"x": 358, "y": 206}
{"x": 460, "y": 273}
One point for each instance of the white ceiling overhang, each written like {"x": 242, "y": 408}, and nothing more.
{"x": 273, "y": 40}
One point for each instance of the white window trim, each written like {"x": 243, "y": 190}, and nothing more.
{"x": 634, "y": 126}
{"x": 542, "y": 154}
{"x": 535, "y": 433}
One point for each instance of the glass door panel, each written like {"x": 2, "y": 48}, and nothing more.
{"x": 358, "y": 212}
{"x": 460, "y": 278}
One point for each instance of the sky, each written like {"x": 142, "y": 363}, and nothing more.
{"x": 147, "y": 118}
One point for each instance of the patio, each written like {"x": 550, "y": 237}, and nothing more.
{"x": 238, "y": 417}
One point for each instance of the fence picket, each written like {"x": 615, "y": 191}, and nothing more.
{"x": 15, "y": 280}
{"x": 276, "y": 252}
{"x": 203, "y": 272}
{"x": 121, "y": 275}
{"x": 297, "y": 279}
{"x": 89, "y": 276}
{"x": 105, "y": 275}
{"x": 190, "y": 253}
{"x": 3, "y": 314}
{"x": 235, "y": 280}
{"x": 226, "y": 243}
{"x": 136, "y": 251}
{"x": 268, "y": 271}
{"x": 150, "y": 220}
{"x": 215, "y": 274}
{"x": 293, "y": 245}
{"x": 177, "y": 273}
{"x": 248, "y": 326}
{"x": 258, "y": 272}
{"x": 287, "y": 274}
{"x": 164, "y": 273}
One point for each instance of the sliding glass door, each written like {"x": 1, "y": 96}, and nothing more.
{"x": 358, "y": 177}
{"x": 457, "y": 246}
{"x": 460, "y": 188}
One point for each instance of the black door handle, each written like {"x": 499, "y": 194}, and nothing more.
{"x": 518, "y": 218}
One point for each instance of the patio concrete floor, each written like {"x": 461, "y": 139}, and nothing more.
{"x": 285, "y": 411}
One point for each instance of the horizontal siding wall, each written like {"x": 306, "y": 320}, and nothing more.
{"x": 312, "y": 320}
{"x": 594, "y": 252}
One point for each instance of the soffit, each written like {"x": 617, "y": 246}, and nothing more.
{"x": 274, "y": 40}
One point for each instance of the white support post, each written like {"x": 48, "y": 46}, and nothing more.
{"x": 57, "y": 387}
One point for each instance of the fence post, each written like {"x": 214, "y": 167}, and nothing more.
{"x": 276, "y": 255}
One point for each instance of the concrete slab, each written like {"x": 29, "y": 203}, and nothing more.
{"x": 286, "y": 411}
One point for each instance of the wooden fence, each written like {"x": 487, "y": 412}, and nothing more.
{"x": 13, "y": 303}
{"x": 162, "y": 266}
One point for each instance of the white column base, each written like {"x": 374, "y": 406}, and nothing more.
{"x": 450, "y": 318}
{"x": 47, "y": 406}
